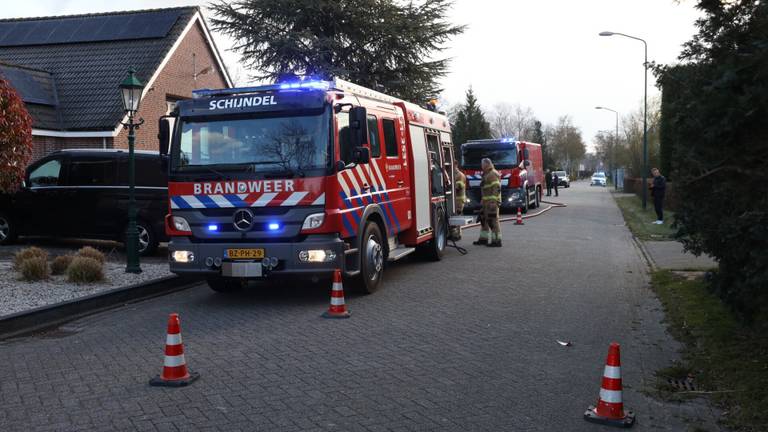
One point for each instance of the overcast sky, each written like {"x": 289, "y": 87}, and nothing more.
{"x": 545, "y": 54}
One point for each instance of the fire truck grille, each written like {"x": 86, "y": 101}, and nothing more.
{"x": 257, "y": 211}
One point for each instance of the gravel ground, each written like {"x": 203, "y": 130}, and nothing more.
{"x": 17, "y": 295}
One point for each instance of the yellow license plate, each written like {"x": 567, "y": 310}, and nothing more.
{"x": 244, "y": 253}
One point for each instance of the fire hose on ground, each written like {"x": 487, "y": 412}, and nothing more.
{"x": 552, "y": 205}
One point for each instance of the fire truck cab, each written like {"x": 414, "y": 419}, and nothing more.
{"x": 303, "y": 178}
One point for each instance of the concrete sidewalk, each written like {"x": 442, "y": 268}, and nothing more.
{"x": 669, "y": 255}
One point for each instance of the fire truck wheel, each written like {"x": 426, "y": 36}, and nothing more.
{"x": 7, "y": 229}
{"x": 527, "y": 204}
{"x": 537, "y": 202}
{"x": 437, "y": 245}
{"x": 224, "y": 285}
{"x": 371, "y": 259}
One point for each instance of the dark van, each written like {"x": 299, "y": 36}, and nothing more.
{"x": 84, "y": 194}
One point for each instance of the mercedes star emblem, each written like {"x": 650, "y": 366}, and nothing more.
{"x": 243, "y": 220}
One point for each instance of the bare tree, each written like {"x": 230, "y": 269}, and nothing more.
{"x": 512, "y": 121}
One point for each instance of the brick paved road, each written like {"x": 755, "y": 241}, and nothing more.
{"x": 467, "y": 344}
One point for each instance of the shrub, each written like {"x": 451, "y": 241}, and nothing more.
{"x": 60, "y": 264}
{"x": 89, "y": 252}
{"x": 85, "y": 270}
{"x": 34, "y": 269}
{"x": 26, "y": 253}
{"x": 15, "y": 138}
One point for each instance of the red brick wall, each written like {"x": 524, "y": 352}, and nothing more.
{"x": 176, "y": 80}
{"x": 43, "y": 145}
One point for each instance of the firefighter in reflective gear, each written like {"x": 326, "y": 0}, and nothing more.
{"x": 490, "y": 186}
{"x": 460, "y": 186}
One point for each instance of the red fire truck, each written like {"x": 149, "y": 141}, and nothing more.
{"x": 519, "y": 163}
{"x": 303, "y": 178}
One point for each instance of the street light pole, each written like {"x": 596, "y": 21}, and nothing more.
{"x": 615, "y": 144}
{"x": 131, "y": 89}
{"x": 645, "y": 114}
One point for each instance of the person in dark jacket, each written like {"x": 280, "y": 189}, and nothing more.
{"x": 658, "y": 187}
{"x": 556, "y": 183}
{"x": 548, "y": 180}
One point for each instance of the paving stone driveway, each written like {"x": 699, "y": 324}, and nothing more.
{"x": 466, "y": 344}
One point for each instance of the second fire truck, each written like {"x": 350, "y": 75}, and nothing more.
{"x": 519, "y": 164}
{"x": 303, "y": 178}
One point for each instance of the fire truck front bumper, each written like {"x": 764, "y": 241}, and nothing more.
{"x": 316, "y": 255}
{"x": 510, "y": 199}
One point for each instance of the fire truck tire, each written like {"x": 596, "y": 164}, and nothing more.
{"x": 224, "y": 285}
{"x": 371, "y": 260}
{"x": 8, "y": 232}
{"x": 537, "y": 198}
{"x": 436, "y": 246}
{"x": 527, "y": 204}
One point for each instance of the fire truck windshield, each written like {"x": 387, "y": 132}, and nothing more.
{"x": 294, "y": 144}
{"x": 501, "y": 158}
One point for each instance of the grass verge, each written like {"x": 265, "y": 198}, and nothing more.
{"x": 639, "y": 220}
{"x": 728, "y": 361}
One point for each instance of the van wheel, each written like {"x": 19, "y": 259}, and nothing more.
{"x": 224, "y": 285}
{"x": 436, "y": 246}
{"x": 8, "y": 232}
{"x": 147, "y": 239}
{"x": 371, "y": 274}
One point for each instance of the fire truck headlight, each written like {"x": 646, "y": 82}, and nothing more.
{"x": 313, "y": 221}
{"x": 181, "y": 224}
{"x": 317, "y": 255}
{"x": 182, "y": 256}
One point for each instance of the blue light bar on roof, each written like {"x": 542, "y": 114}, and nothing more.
{"x": 508, "y": 140}
{"x": 299, "y": 85}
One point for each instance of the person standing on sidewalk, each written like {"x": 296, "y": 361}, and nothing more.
{"x": 556, "y": 183}
{"x": 658, "y": 187}
{"x": 548, "y": 180}
{"x": 490, "y": 186}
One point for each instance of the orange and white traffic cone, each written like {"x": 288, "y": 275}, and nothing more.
{"x": 519, "y": 217}
{"x": 175, "y": 373}
{"x": 610, "y": 407}
{"x": 338, "y": 308}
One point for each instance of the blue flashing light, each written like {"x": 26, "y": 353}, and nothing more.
{"x": 273, "y": 226}
{"x": 213, "y": 227}
{"x": 508, "y": 140}
{"x": 318, "y": 85}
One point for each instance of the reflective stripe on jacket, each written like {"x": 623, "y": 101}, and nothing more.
{"x": 491, "y": 186}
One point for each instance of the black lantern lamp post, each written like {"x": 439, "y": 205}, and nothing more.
{"x": 131, "y": 89}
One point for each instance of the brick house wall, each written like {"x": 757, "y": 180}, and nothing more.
{"x": 175, "y": 81}
{"x": 44, "y": 145}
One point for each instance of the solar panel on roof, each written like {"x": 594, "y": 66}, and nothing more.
{"x": 96, "y": 28}
{"x": 31, "y": 90}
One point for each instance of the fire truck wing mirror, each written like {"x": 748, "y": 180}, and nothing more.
{"x": 525, "y": 154}
{"x": 340, "y": 166}
{"x": 358, "y": 126}
{"x": 164, "y": 134}
{"x": 526, "y": 163}
{"x": 361, "y": 155}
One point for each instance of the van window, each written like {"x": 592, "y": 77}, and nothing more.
{"x": 92, "y": 172}
{"x": 390, "y": 141}
{"x": 46, "y": 174}
{"x": 373, "y": 136}
{"x": 149, "y": 172}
